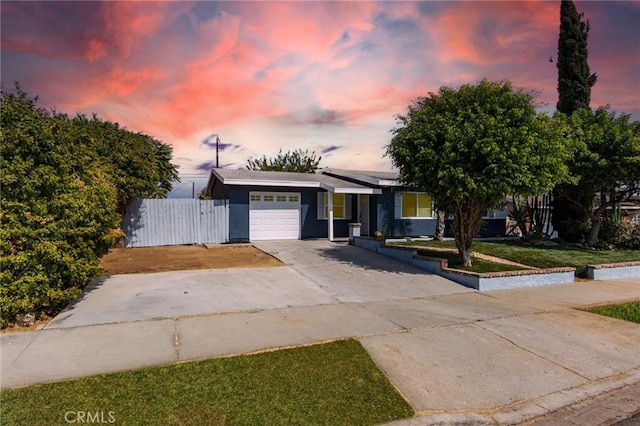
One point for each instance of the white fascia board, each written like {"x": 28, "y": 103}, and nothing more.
{"x": 383, "y": 182}
{"x": 294, "y": 184}
{"x": 361, "y": 190}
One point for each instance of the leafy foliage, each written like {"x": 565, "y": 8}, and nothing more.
{"x": 298, "y": 161}
{"x": 470, "y": 147}
{"x": 605, "y": 164}
{"x": 623, "y": 235}
{"x": 62, "y": 181}
{"x": 574, "y": 77}
{"x": 575, "y": 80}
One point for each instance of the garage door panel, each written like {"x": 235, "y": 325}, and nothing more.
{"x": 274, "y": 215}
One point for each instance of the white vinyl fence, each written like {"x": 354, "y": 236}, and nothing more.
{"x": 163, "y": 222}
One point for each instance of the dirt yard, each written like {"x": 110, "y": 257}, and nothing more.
{"x": 175, "y": 258}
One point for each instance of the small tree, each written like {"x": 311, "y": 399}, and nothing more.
{"x": 606, "y": 163}
{"x": 470, "y": 147}
{"x": 298, "y": 161}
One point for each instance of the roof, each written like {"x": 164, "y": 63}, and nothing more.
{"x": 365, "y": 176}
{"x": 289, "y": 179}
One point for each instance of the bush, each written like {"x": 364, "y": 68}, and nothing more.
{"x": 59, "y": 200}
{"x": 574, "y": 231}
{"x": 623, "y": 235}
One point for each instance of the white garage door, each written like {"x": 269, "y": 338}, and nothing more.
{"x": 274, "y": 215}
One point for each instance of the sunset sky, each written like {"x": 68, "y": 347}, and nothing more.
{"x": 323, "y": 76}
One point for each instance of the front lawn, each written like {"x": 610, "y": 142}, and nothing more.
{"x": 542, "y": 256}
{"x": 625, "y": 311}
{"x": 335, "y": 383}
{"x": 479, "y": 265}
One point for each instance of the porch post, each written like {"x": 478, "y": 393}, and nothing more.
{"x": 330, "y": 218}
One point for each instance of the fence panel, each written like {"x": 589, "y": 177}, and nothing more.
{"x": 163, "y": 222}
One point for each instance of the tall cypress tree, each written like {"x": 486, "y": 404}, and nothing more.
{"x": 574, "y": 77}
{"x": 571, "y": 217}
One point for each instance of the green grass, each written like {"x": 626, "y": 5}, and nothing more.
{"x": 335, "y": 383}
{"x": 625, "y": 311}
{"x": 479, "y": 265}
{"x": 543, "y": 256}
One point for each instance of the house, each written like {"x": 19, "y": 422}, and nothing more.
{"x": 265, "y": 205}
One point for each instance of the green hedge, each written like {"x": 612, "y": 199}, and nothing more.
{"x": 61, "y": 192}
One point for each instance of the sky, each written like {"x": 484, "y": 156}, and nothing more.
{"x": 328, "y": 77}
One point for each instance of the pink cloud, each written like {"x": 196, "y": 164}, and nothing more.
{"x": 292, "y": 73}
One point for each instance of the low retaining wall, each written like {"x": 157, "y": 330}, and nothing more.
{"x": 612, "y": 271}
{"x": 482, "y": 282}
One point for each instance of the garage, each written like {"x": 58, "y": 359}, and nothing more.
{"x": 274, "y": 215}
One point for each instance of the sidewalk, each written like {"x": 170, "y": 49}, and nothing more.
{"x": 496, "y": 357}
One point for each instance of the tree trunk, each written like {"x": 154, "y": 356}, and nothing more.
{"x": 465, "y": 255}
{"x": 592, "y": 238}
{"x": 440, "y": 226}
{"x": 464, "y": 237}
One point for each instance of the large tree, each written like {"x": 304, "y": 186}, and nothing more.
{"x": 574, "y": 89}
{"x": 470, "y": 147}
{"x": 574, "y": 77}
{"x": 605, "y": 162}
{"x": 299, "y": 161}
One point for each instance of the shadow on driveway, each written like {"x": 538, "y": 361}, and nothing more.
{"x": 357, "y": 257}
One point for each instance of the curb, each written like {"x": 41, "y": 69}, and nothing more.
{"x": 527, "y": 412}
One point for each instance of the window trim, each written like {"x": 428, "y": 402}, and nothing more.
{"x": 323, "y": 206}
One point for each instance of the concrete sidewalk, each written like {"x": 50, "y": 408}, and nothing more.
{"x": 457, "y": 355}
{"x": 499, "y": 357}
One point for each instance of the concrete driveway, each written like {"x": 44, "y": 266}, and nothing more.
{"x": 458, "y": 356}
{"x": 315, "y": 273}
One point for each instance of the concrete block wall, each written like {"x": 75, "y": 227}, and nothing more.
{"x": 613, "y": 271}
{"x": 482, "y": 282}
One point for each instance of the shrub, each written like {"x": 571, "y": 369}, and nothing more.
{"x": 624, "y": 235}
{"x": 63, "y": 181}
{"x": 574, "y": 230}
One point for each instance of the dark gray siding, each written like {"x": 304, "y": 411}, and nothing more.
{"x": 386, "y": 219}
{"x": 238, "y": 214}
{"x": 311, "y": 226}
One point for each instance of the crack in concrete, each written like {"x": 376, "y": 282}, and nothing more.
{"x": 533, "y": 353}
{"x": 176, "y": 339}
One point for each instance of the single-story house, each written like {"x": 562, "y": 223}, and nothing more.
{"x": 265, "y": 205}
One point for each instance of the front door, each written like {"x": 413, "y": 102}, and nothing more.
{"x": 363, "y": 214}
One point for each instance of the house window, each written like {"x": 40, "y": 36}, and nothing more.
{"x": 293, "y": 198}
{"x": 416, "y": 205}
{"x": 341, "y": 206}
{"x": 255, "y": 198}
{"x": 268, "y": 198}
{"x": 281, "y": 198}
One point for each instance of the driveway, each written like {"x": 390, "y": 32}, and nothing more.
{"x": 315, "y": 273}
{"x": 457, "y": 355}
{"x": 351, "y": 274}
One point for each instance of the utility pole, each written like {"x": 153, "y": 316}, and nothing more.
{"x": 217, "y": 148}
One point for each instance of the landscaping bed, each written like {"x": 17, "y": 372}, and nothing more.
{"x": 543, "y": 256}
{"x": 479, "y": 265}
{"x": 516, "y": 276}
{"x": 176, "y": 258}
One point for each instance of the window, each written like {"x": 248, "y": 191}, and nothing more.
{"x": 268, "y": 198}
{"x": 416, "y": 205}
{"x": 255, "y": 198}
{"x": 341, "y": 206}
{"x": 338, "y": 206}
{"x": 293, "y": 198}
{"x": 281, "y": 198}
